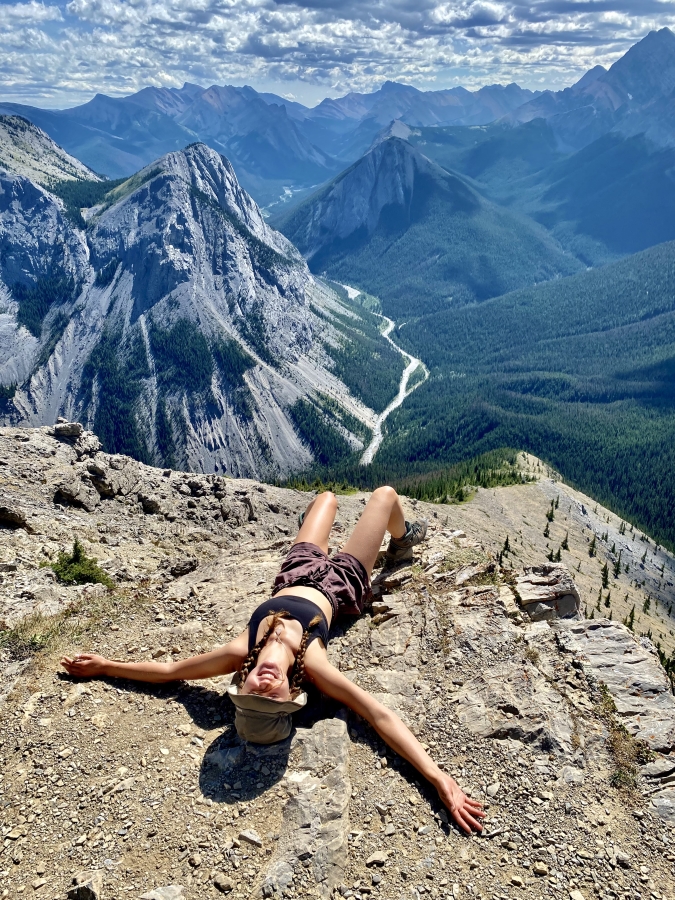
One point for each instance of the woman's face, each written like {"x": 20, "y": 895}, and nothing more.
{"x": 267, "y": 680}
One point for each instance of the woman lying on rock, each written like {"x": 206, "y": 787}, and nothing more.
{"x": 285, "y": 642}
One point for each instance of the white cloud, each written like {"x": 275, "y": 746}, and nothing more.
{"x": 64, "y": 52}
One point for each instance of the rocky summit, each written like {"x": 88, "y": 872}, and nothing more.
{"x": 564, "y": 726}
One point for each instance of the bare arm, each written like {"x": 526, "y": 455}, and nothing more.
{"x": 466, "y": 812}
{"x": 207, "y": 665}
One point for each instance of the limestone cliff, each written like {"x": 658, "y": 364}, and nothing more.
{"x": 178, "y": 323}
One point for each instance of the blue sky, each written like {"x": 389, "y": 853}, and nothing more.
{"x": 62, "y": 53}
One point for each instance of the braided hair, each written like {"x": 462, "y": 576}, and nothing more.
{"x": 298, "y": 672}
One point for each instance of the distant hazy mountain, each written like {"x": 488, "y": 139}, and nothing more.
{"x": 117, "y": 137}
{"x": 27, "y": 150}
{"x": 345, "y": 127}
{"x": 631, "y": 98}
{"x": 419, "y": 237}
{"x": 178, "y": 323}
{"x": 275, "y": 145}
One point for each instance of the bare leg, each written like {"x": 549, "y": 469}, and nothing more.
{"x": 319, "y": 518}
{"x": 383, "y": 513}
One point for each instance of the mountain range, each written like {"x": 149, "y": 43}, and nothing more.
{"x": 174, "y": 319}
{"x": 275, "y": 145}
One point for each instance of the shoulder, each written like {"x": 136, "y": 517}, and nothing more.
{"x": 238, "y": 646}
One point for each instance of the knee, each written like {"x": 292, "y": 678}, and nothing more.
{"x": 329, "y": 498}
{"x": 385, "y": 493}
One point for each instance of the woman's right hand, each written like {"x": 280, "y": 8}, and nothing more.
{"x": 85, "y": 665}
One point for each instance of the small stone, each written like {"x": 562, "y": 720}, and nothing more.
{"x": 378, "y": 858}
{"x": 493, "y": 789}
{"x": 576, "y": 895}
{"x": 195, "y": 860}
{"x": 517, "y": 881}
{"x": 540, "y": 869}
{"x": 170, "y": 892}
{"x": 389, "y": 830}
{"x": 223, "y": 883}
{"x": 41, "y": 868}
{"x": 160, "y": 651}
{"x": 37, "y": 884}
{"x": 251, "y": 837}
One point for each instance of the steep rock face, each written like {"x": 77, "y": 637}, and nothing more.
{"x": 179, "y": 324}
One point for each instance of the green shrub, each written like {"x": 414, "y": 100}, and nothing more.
{"x": 77, "y": 568}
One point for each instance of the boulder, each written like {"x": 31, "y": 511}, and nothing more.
{"x": 548, "y": 592}
{"x": 68, "y": 430}
{"x": 86, "y": 886}
{"x": 74, "y": 491}
{"x": 12, "y": 516}
{"x": 170, "y": 892}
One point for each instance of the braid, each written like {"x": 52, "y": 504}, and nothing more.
{"x": 299, "y": 667}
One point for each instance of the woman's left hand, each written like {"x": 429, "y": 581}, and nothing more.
{"x": 466, "y": 813}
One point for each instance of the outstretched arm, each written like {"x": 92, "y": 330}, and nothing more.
{"x": 467, "y": 813}
{"x": 207, "y": 665}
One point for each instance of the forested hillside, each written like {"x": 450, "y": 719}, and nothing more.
{"x": 580, "y": 371}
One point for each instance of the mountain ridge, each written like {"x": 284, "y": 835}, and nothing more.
{"x": 178, "y": 307}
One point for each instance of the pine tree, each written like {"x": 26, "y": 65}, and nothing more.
{"x": 631, "y": 618}
{"x": 608, "y": 602}
{"x": 547, "y": 531}
{"x": 565, "y": 544}
{"x": 507, "y": 546}
{"x": 617, "y": 565}
{"x": 557, "y": 556}
{"x": 644, "y": 557}
{"x": 591, "y": 549}
{"x": 557, "y": 501}
{"x": 605, "y": 575}
{"x": 646, "y": 605}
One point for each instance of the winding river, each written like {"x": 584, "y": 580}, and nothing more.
{"x": 403, "y": 390}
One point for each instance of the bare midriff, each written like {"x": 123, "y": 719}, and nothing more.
{"x": 309, "y": 593}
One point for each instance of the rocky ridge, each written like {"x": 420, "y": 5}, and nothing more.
{"x": 178, "y": 324}
{"x": 26, "y": 150}
{"x": 144, "y": 791}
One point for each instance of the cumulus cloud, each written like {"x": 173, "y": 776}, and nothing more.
{"x": 63, "y": 52}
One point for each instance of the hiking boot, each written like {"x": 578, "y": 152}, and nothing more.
{"x": 401, "y": 549}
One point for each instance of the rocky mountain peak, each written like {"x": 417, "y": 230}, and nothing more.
{"x": 180, "y": 324}
{"x": 647, "y": 70}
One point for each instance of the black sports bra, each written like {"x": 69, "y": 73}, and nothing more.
{"x": 298, "y": 608}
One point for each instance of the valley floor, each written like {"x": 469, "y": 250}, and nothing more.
{"x": 149, "y": 786}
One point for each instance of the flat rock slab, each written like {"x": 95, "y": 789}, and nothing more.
{"x": 516, "y": 702}
{"x": 316, "y": 815}
{"x": 663, "y": 804}
{"x": 634, "y": 677}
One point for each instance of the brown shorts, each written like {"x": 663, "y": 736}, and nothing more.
{"x": 341, "y": 578}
